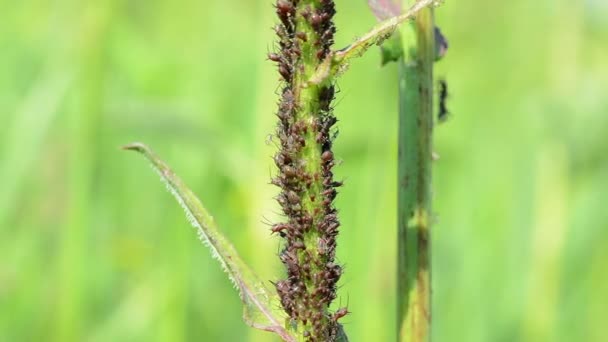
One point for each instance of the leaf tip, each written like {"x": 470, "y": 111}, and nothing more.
{"x": 136, "y": 146}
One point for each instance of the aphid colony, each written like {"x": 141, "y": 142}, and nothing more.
{"x": 305, "y": 162}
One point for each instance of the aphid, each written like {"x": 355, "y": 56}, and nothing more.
{"x": 327, "y": 156}
{"x": 320, "y": 138}
{"x": 274, "y": 57}
{"x": 285, "y": 72}
{"x": 280, "y": 31}
{"x": 330, "y": 193}
{"x": 322, "y": 246}
{"x": 282, "y": 286}
{"x": 288, "y": 95}
{"x": 295, "y": 52}
{"x": 315, "y": 20}
{"x": 443, "y": 113}
{"x": 290, "y": 260}
{"x": 306, "y": 12}
{"x": 280, "y": 228}
{"x": 335, "y": 272}
{"x": 332, "y": 229}
{"x": 289, "y": 171}
{"x": 331, "y": 218}
{"x": 285, "y": 8}
{"x": 302, "y": 36}
{"x": 337, "y": 184}
{"x": 321, "y": 54}
{"x": 326, "y": 95}
{"x": 340, "y": 313}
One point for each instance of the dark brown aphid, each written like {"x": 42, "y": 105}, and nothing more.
{"x": 274, "y": 57}
{"x": 289, "y": 259}
{"x": 295, "y": 52}
{"x": 289, "y": 171}
{"x": 327, "y": 156}
{"x": 326, "y": 95}
{"x": 443, "y": 113}
{"x": 285, "y": 72}
{"x": 282, "y": 286}
{"x": 315, "y": 19}
{"x": 302, "y": 36}
{"x": 285, "y": 8}
{"x": 340, "y": 313}
{"x": 336, "y": 184}
{"x": 279, "y": 228}
{"x": 321, "y": 54}
{"x": 329, "y": 193}
{"x": 332, "y": 230}
{"x": 306, "y": 269}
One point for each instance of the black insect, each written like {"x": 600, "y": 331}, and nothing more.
{"x": 443, "y": 113}
{"x": 441, "y": 44}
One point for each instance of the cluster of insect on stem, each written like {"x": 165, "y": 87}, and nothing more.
{"x": 305, "y": 161}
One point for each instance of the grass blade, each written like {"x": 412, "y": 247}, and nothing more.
{"x": 261, "y": 304}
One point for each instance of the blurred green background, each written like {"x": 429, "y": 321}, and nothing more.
{"x": 92, "y": 248}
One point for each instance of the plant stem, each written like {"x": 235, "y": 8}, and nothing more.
{"x": 414, "y": 183}
{"x": 380, "y": 32}
{"x": 305, "y": 161}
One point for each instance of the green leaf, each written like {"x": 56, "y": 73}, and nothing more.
{"x": 261, "y": 304}
{"x": 391, "y": 50}
{"x": 341, "y": 334}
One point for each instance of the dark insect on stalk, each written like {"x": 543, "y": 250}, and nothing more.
{"x": 280, "y": 228}
{"x": 441, "y": 44}
{"x": 341, "y": 312}
{"x": 443, "y": 113}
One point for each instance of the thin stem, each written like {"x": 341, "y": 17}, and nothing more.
{"x": 414, "y": 189}
{"x": 380, "y": 32}
{"x": 337, "y": 63}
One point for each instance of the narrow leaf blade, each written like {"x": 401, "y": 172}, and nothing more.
{"x": 376, "y": 36}
{"x": 261, "y": 304}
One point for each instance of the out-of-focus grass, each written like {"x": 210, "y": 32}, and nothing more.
{"x": 93, "y": 248}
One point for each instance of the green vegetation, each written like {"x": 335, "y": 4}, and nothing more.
{"x": 519, "y": 240}
{"x": 414, "y": 181}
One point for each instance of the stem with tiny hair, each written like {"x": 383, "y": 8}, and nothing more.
{"x": 381, "y": 32}
{"x": 305, "y": 161}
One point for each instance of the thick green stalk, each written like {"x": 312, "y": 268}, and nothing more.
{"x": 414, "y": 203}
